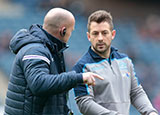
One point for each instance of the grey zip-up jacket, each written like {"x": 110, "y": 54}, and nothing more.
{"x": 114, "y": 94}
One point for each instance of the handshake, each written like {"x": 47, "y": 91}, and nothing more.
{"x": 89, "y": 78}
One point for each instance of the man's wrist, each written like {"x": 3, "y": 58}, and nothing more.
{"x": 153, "y": 113}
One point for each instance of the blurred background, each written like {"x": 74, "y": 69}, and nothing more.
{"x": 137, "y": 23}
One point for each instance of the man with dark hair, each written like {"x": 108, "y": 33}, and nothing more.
{"x": 38, "y": 82}
{"x": 120, "y": 86}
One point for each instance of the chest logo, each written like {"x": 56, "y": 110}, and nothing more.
{"x": 127, "y": 74}
{"x": 122, "y": 65}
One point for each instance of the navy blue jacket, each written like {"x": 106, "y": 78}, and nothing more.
{"x": 38, "y": 84}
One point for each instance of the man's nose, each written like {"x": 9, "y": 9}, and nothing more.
{"x": 100, "y": 37}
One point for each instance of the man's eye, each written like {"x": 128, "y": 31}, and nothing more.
{"x": 95, "y": 33}
{"x": 105, "y": 33}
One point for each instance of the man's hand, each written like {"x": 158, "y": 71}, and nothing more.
{"x": 89, "y": 78}
{"x": 153, "y": 113}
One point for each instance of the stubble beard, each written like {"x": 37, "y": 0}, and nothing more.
{"x": 101, "y": 52}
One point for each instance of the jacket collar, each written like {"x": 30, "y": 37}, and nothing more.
{"x": 96, "y": 56}
{"x": 58, "y": 45}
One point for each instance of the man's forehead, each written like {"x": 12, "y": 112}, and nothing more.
{"x": 103, "y": 22}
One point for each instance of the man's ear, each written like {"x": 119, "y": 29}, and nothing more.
{"x": 88, "y": 36}
{"x": 62, "y": 31}
{"x": 113, "y": 34}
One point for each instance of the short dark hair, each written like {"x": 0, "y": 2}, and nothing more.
{"x": 100, "y": 16}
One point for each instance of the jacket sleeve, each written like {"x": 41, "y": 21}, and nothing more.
{"x": 138, "y": 96}
{"x": 85, "y": 99}
{"x": 35, "y": 64}
{"x": 88, "y": 106}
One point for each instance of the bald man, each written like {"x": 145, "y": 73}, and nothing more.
{"x": 38, "y": 82}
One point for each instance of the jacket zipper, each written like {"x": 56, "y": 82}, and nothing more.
{"x": 110, "y": 63}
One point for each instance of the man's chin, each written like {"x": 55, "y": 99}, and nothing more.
{"x": 101, "y": 51}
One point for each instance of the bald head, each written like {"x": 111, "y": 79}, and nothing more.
{"x": 57, "y": 18}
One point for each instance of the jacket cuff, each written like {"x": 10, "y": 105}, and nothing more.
{"x": 152, "y": 111}
{"x": 79, "y": 78}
